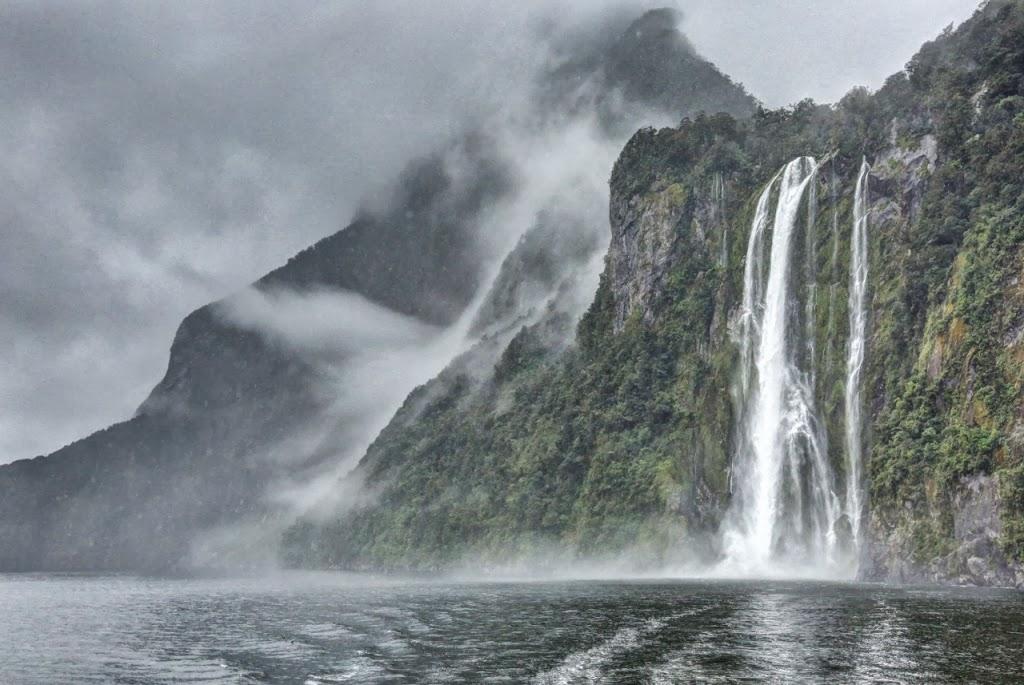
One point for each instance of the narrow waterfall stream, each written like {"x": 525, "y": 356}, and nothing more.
{"x": 784, "y": 508}
{"x": 855, "y": 353}
{"x": 718, "y": 198}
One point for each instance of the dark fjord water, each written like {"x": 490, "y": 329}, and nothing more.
{"x": 329, "y": 629}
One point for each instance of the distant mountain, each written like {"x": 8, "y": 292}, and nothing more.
{"x": 650, "y": 65}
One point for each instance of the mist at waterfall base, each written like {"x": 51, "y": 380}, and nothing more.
{"x": 314, "y": 629}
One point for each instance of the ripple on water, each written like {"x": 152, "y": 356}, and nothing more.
{"x": 327, "y": 631}
{"x": 103, "y": 630}
{"x": 357, "y": 670}
{"x": 587, "y": 666}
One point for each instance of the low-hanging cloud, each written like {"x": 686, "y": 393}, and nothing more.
{"x": 369, "y": 358}
{"x": 324, "y": 321}
{"x": 160, "y": 156}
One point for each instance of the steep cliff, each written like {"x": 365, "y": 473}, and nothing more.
{"x": 622, "y": 444}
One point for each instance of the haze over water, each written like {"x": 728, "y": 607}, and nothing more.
{"x": 325, "y": 628}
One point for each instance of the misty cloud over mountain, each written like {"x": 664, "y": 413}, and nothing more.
{"x": 157, "y": 158}
{"x": 273, "y": 393}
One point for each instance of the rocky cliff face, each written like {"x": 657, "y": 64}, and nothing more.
{"x": 944, "y": 375}
{"x": 623, "y": 443}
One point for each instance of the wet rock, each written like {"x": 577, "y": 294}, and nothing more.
{"x": 646, "y": 232}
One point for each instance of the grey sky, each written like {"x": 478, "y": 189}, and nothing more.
{"x": 786, "y": 50}
{"x": 159, "y": 156}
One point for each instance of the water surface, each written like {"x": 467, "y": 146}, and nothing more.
{"x": 322, "y": 628}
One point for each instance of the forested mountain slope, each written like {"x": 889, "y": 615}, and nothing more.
{"x": 621, "y": 445}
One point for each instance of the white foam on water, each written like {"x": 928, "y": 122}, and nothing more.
{"x": 588, "y": 666}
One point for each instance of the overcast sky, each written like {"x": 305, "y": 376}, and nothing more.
{"x": 159, "y": 156}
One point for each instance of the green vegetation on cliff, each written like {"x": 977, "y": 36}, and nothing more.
{"x": 956, "y": 416}
{"x": 623, "y": 441}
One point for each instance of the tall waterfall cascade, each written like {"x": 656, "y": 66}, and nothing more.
{"x": 855, "y": 352}
{"x": 784, "y": 508}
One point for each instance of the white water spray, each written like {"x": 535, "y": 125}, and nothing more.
{"x": 784, "y": 510}
{"x": 855, "y": 354}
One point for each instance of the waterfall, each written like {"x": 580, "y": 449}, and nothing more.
{"x": 784, "y": 509}
{"x": 811, "y": 275}
{"x": 830, "y": 329}
{"x": 855, "y": 353}
{"x": 718, "y": 198}
{"x": 753, "y": 277}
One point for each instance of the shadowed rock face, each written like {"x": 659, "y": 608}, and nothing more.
{"x": 236, "y": 410}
